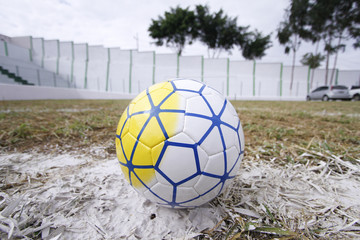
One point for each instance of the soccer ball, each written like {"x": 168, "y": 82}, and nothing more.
{"x": 179, "y": 143}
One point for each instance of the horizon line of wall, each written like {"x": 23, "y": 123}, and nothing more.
{"x": 117, "y": 70}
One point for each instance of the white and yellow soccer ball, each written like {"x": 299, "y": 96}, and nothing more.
{"x": 179, "y": 143}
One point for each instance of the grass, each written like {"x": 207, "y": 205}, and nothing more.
{"x": 281, "y": 132}
{"x": 32, "y": 125}
{"x": 273, "y": 126}
{"x": 277, "y": 129}
{"x": 273, "y": 130}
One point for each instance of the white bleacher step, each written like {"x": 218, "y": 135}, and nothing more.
{"x": 6, "y": 80}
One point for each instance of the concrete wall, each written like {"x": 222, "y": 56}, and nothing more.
{"x": 113, "y": 70}
{"x": 22, "y": 92}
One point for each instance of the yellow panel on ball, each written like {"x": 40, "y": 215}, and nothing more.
{"x": 175, "y": 101}
{"x": 119, "y": 151}
{"x": 125, "y": 170}
{"x": 139, "y": 97}
{"x": 137, "y": 122}
{"x": 128, "y": 142}
{"x": 142, "y": 155}
{"x": 121, "y": 128}
{"x": 152, "y": 135}
{"x": 157, "y": 86}
{"x": 159, "y": 95}
{"x": 173, "y": 122}
{"x": 155, "y": 152}
{"x": 146, "y": 176}
{"x": 142, "y": 104}
{"x": 168, "y": 85}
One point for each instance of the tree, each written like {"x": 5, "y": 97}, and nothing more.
{"x": 255, "y": 45}
{"x": 217, "y": 31}
{"x": 176, "y": 29}
{"x": 334, "y": 21}
{"x": 313, "y": 61}
{"x": 220, "y": 32}
{"x": 293, "y": 29}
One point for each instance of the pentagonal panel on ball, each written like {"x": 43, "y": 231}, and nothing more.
{"x": 172, "y": 122}
{"x": 137, "y": 123}
{"x": 184, "y": 194}
{"x": 125, "y": 147}
{"x": 215, "y": 164}
{"x": 232, "y": 156}
{"x": 228, "y": 117}
{"x": 201, "y": 159}
{"x": 173, "y": 101}
{"x": 141, "y": 155}
{"x": 178, "y": 163}
{"x": 229, "y": 135}
{"x": 123, "y": 125}
{"x": 212, "y": 193}
{"x": 157, "y": 96}
{"x": 193, "y": 203}
{"x": 197, "y": 105}
{"x": 152, "y": 134}
{"x": 241, "y": 136}
{"x": 216, "y": 102}
{"x": 141, "y": 104}
{"x": 196, "y": 127}
{"x": 211, "y": 91}
{"x": 161, "y": 85}
{"x": 152, "y": 197}
{"x": 162, "y": 191}
{"x": 187, "y": 94}
{"x": 213, "y": 142}
{"x": 206, "y": 184}
{"x": 188, "y": 84}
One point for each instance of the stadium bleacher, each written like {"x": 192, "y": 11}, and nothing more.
{"x": 18, "y": 67}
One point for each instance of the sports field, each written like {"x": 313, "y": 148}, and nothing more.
{"x": 300, "y": 177}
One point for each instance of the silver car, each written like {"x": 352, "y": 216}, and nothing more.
{"x": 327, "y": 93}
{"x": 355, "y": 93}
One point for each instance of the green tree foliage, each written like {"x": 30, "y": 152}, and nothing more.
{"x": 293, "y": 29}
{"x": 176, "y": 29}
{"x": 217, "y": 31}
{"x": 329, "y": 21}
{"x": 255, "y": 45}
{"x": 313, "y": 61}
{"x": 334, "y": 21}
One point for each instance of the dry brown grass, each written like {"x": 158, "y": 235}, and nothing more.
{"x": 69, "y": 125}
{"x": 272, "y": 129}
{"x": 278, "y": 129}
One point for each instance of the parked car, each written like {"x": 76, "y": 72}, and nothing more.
{"x": 355, "y": 93}
{"x": 327, "y": 93}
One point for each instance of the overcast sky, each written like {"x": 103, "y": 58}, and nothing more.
{"x": 116, "y": 23}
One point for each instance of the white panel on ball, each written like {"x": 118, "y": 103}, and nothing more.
{"x": 212, "y": 143}
{"x": 188, "y": 84}
{"x": 186, "y": 162}
{"x": 215, "y": 164}
{"x": 200, "y": 124}
{"x": 198, "y": 106}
